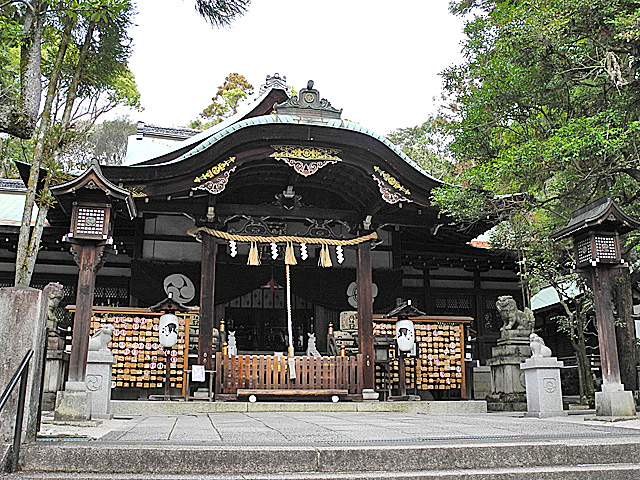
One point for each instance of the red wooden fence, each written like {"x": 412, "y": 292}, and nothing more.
{"x": 272, "y": 372}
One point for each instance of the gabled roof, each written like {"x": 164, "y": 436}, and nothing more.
{"x": 93, "y": 179}
{"x": 274, "y": 90}
{"x": 602, "y": 213}
{"x": 405, "y": 309}
{"x": 12, "y": 198}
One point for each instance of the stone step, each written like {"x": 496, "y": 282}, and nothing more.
{"x": 579, "y": 472}
{"x": 357, "y": 457}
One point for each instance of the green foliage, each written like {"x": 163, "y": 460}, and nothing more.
{"x": 225, "y": 103}
{"x": 545, "y": 105}
{"x": 13, "y": 149}
{"x": 543, "y": 114}
{"x": 105, "y": 141}
{"x": 424, "y": 144}
{"x": 220, "y": 13}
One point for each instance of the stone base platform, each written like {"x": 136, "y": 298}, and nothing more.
{"x": 444, "y": 407}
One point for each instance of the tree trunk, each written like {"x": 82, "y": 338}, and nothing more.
{"x": 20, "y": 119}
{"x": 625, "y": 333}
{"x": 29, "y": 239}
{"x": 585, "y": 377}
{"x": 72, "y": 93}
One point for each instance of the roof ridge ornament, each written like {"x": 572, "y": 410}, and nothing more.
{"x": 275, "y": 81}
{"x": 308, "y": 104}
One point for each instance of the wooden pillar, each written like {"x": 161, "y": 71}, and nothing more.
{"x": 89, "y": 259}
{"x": 365, "y": 313}
{"x": 207, "y": 300}
{"x": 602, "y": 283}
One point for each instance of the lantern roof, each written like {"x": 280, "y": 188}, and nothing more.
{"x": 168, "y": 305}
{"x": 94, "y": 186}
{"x": 405, "y": 309}
{"x": 602, "y": 214}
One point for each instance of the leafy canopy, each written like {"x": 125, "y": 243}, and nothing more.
{"x": 546, "y": 104}
{"x": 225, "y": 103}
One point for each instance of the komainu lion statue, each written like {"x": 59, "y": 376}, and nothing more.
{"x": 312, "y": 350}
{"x": 538, "y": 348}
{"x": 101, "y": 338}
{"x": 512, "y": 317}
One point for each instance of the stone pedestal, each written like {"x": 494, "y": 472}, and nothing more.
{"x": 73, "y": 404}
{"x": 512, "y": 350}
{"x": 507, "y": 380}
{"x": 98, "y": 380}
{"x": 54, "y": 371}
{"x": 481, "y": 382}
{"x": 544, "y": 391}
{"x": 369, "y": 395}
{"x": 614, "y": 401}
{"x": 23, "y": 317}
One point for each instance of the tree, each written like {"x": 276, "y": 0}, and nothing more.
{"x": 426, "y": 145}
{"x": 13, "y": 149}
{"x": 105, "y": 141}
{"x": 544, "y": 115}
{"x": 83, "y": 61}
{"x": 225, "y": 103}
{"x": 84, "y": 65}
{"x": 21, "y": 27}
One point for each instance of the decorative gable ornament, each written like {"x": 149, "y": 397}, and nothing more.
{"x": 305, "y": 160}
{"x": 391, "y": 189}
{"x": 308, "y": 104}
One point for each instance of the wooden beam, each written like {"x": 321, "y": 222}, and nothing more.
{"x": 207, "y": 300}
{"x": 228, "y": 209}
{"x": 365, "y": 314}
{"x": 602, "y": 282}
{"x": 89, "y": 260}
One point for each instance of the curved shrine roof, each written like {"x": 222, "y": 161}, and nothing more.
{"x": 313, "y": 162}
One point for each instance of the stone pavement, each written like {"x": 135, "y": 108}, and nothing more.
{"x": 336, "y": 445}
{"x": 308, "y": 428}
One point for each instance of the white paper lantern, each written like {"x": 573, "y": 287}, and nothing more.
{"x": 168, "y": 332}
{"x": 405, "y": 335}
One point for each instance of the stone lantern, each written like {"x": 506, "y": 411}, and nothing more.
{"x": 595, "y": 231}
{"x": 92, "y": 202}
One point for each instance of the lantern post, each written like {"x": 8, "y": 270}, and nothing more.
{"x": 168, "y": 335}
{"x": 595, "y": 230}
{"x": 405, "y": 339}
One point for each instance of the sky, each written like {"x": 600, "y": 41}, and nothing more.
{"x": 377, "y": 60}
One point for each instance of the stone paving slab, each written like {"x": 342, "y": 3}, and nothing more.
{"x": 335, "y": 427}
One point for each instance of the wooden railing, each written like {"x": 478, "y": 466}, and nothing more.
{"x": 269, "y": 372}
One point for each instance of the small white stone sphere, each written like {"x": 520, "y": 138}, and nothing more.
{"x": 335, "y": 399}
{"x": 252, "y": 398}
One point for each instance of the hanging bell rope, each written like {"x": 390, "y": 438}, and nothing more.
{"x": 281, "y": 238}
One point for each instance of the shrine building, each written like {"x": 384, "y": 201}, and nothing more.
{"x": 280, "y": 222}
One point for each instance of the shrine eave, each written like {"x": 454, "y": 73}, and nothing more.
{"x": 290, "y": 119}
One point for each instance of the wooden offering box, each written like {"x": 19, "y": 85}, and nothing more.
{"x": 140, "y": 359}
{"x": 440, "y": 354}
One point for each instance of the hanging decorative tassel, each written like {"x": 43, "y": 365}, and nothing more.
{"x": 304, "y": 254}
{"x": 325, "y": 258}
{"x": 253, "y": 259}
{"x": 289, "y": 255}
